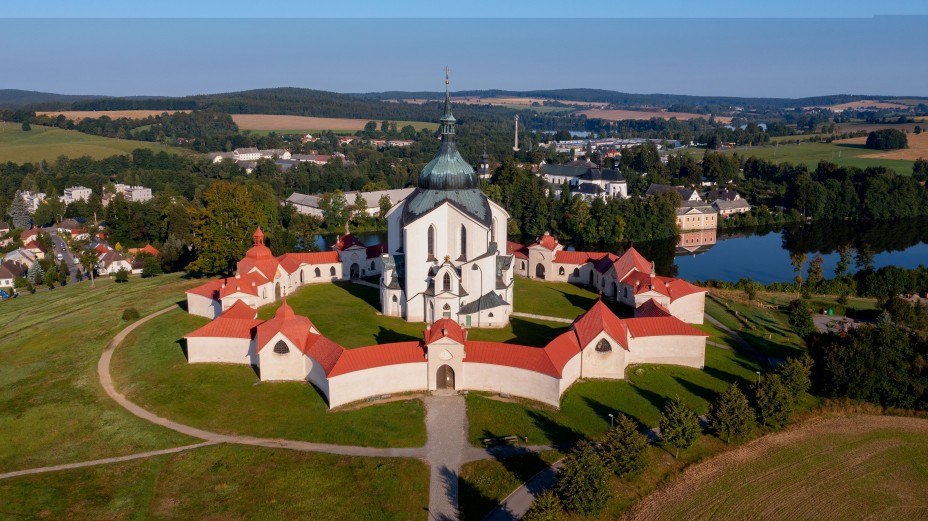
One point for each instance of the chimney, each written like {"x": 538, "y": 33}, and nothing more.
{"x": 444, "y": 332}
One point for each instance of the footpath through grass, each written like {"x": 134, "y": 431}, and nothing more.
{"x": 226, "y": 482}
{"x": 151, "y": 370}
{"x": 47, "y": 143}
{"x": 586, "y": 406}
{"x": 52, "y": 408}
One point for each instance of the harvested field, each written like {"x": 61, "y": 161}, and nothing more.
{"x": 918, "y": 148}
{"x": 505, "y": 102}
{"x": 280, "y": 122}
{"x": 855, "y": 467}
{"x": 78, "y": 115}
{"x": 866, "y": 104}
{"x": 619, "y": 115}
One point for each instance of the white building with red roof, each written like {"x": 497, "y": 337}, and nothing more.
{"x": 630, "y": 278}
{"x": 598, "y": 344}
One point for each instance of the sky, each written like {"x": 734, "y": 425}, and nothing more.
{"x": 733, "y": 48}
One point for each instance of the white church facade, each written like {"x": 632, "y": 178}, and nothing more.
{"x": 446, "y": 263}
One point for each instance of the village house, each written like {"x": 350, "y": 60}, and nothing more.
{"x": 131, "y": 193}
{"x": 693, "y": 213}
{"x": 585, "y": 178}
{"x": 76, "y": 193}
{"x": 309, "y": 204}
{"x": 11, "y": 270}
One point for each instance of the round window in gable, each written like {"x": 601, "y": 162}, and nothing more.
{"x": 281, "y": 348}
{"x": 603, "y": 346}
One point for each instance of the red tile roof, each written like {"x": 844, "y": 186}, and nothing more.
{"x": 546, "y": 241}
{"x": 564, "y": 347}
{"x": 259, "y": 257}
{"x": 445, "y": 327}
{"x": 209, "y": 289}
{"x": 667, "y": 286}
{"x": 348, "y": 241}
{"x": 380, "y": 355}
{"x": 240, "y": 310}
{"x": 514, "y": 248}
{"x": 598, "y": 319}
{"x": 651, "y": 309}
{"x": 631, "y": 260}
{"x": 247, "y": 283}
{"x": 322, "y": 350}
{"x": 511, "y": 355}
{"x": 574, "y": 257}
{"x": 33, "y": 245}
{"x": 224, "y": 327}
{"x": 292, "y": 261}
{"x": 376, "y": 250}
{"x": 661, "y": 326}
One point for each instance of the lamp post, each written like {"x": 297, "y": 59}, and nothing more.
{"x": 480, "y": 296}
{"x": 611, "y": 420}
{"x": 758, "y": 376}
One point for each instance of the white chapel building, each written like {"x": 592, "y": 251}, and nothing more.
{"x": 443, "y": 257}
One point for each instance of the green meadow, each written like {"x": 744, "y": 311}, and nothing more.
{"x": 47, "y": 143}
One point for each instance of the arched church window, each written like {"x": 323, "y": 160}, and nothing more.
{"x": 394, "y": 299}
{"x": 281, "y": 348}
{"x": 301, "y": 276}
{"x": 522, "y": 265}
{"x": 446, "y": 282}
{"x": 372, "y": 265}
{"x": 332, "y": 271}
{"x": 560, "y": 270}
{"x": 463, "y": 242}
{"x": 493, "y": 231}
{"x": 446, "y": 307}
{"x": 490, "y": 315}
{"x": 318, "y": 273}
{"x": 431, "y": 243}
{"x": 576, "y": 272}
{"x": 603, "y": 346}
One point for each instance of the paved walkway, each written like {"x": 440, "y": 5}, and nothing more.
{"x": 446, "y": 424}
{"x": 517, "y": 504}
{"x": 105, "y": 461}
{"x": 542, "y": 317}
{"x": 746, "y": 346}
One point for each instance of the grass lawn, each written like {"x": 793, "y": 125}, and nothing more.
{"x": 226, "y": 482}
{"x": 52, "y": 408}
{"x": 819, "y": 472}
{"x": 843, "y": 154}
{"x": 151, "y": 370}
{"x": 47, "y": 143}
{"x": 585, "y": 406}
{"x": 768, "y": 330}
{"x": 553, "y": 299}
{"x": 483, "y": 484}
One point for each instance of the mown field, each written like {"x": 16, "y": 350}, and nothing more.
{"x": 283, "y": 124}
{"x": 225, "y": 482}
{"x": 52, "y": 408}
{"x": 859, "y": 467}
{"x": 46, "y": 144}
{"x": 841, "y": 153}
{"x": 78, "y": 115}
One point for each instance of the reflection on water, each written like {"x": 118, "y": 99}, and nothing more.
{"x": 762, "y": 255}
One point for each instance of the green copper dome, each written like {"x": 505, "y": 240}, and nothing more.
{"x": 447, "y": 178}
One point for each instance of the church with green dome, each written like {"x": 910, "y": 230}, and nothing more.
{"x": 443, "y": 256}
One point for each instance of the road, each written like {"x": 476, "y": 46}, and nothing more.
{"x": 62, "y": 247}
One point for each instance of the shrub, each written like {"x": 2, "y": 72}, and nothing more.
{"x": 122, "y": 275}
{"x": 130, "y": 314}
{"x": 546, "y": 507}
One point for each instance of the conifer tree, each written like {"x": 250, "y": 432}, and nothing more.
{"x": 796, "y": 374}
{"x": 774, "y": 401}
{"x": 19, "y": 213}
{"x": 582, "y": 483}
{"x": 679, "y": 425}
{"x": 622, "y": 448}
{"x": 546, "y": 507}
{"x": 35, "y": 275}
{"x": 731, "y": 415}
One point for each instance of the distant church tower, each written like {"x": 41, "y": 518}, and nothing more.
{"x": 515, "y": 147}
{"x": 446, "y": 245}
{"x": 483, "y": 171}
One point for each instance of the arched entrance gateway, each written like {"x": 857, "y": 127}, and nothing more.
{"x": 445, "y": 377}
{"x": 540, "y": 271}
{"x": 354, "y": 271}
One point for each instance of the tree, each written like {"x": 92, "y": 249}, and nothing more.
{"x": 150, "y": 266}
{"x": 582, "y": 483}
{"x": 815, "y": 273}
{"x": 26, "y": 127}
{"x": 800, "y": 318}
{"x": 122, "y": 275}
{"x": 51, "y": 276}
{"x": 750, "y": 289}
{"x": 335, "y": 210}
{"x": 359, "y": 208}
{"x": 920, "y": 170}
{"x": 796, "y": 373}
{"x": 844, "y": 260}
{"x": 88, "y": 259}
{"x": 546, "y": 507}
{"x": 384, "y": 204}
{"x": 227, "y": 222}
{"x": 622, "y": 448}
{"x": 730, "y": 415}
{"x": 35, "y": 274}
{"x": 887, "y": 139}
{"x": 679, "y": 425}
{"x": 917, "y": 129}
{"x": 19, "y": 213}
{"x": 797, "y": 259}
{"x": 774, "y": 401}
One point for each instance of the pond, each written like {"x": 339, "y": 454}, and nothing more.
{"x": 764, "y": 255}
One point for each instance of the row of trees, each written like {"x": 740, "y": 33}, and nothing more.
{"x": 582, "y": 484}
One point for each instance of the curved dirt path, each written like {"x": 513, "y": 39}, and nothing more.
{"x": 681, "y": 488}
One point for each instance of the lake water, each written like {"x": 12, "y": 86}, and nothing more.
{"x": 764, "y": 256}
